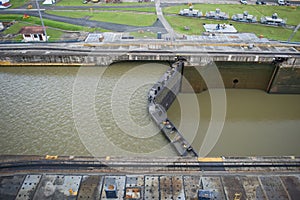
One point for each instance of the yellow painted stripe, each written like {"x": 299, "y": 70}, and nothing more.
{"x": 5, "y": 63}
{"x": 209, "y": 159}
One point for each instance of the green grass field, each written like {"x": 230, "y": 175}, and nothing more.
{"x": 55, "y": 29}
{"x": 50, "y": 23}
{"x": 196, "y": 27}
{"x": 79, "y": 3}
{"x": 18, "y": 3}
{"x": 145, "y": 9}
{"x": 291, "y": 14}
{"x": 14, "y": 29}
{"x": 127, "y": 18}
{"x": 132, "y": 16}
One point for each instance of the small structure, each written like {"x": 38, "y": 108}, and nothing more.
{"x": 49, "y": 2}
{"x": 273, "y": 20}
{"x": 33, "y": 34}
{"x": 133, "y": 193}
{"x": 219, "y": 28}
{"x": 245, "y": 17}
{"x": 4, "y": 4}
{"x": 111, "y": 188}
{"x": 190, "y": 12}
{"x": 216, "y": 14}
{"x": 205, "y": 195}
{"x": 1, "y": 26}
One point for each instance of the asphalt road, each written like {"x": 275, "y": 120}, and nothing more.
{"x": 156, "y": 27}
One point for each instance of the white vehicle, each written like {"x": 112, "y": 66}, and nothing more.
{"x": 243, "y": 2}
{"x": 281, "y": 2}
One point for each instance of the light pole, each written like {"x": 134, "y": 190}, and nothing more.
{"x": 44, "y": 29}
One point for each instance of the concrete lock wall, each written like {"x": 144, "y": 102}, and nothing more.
{"x": 286, "y": 80}
{"x": 170, "y": 85}
{"x": 234, "y": 75}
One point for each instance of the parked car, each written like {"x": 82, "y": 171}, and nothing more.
{"x": 243, "y": 2}
{"x": 260, "y": 2}
{"x": 281, "y": 2}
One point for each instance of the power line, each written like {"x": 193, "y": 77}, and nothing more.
{"x": 41, "y": 18}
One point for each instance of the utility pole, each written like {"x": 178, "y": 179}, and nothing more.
{"x": 41, "y": 18}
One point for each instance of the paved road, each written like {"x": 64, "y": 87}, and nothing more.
{"x": 164, "y": 22}
{"x": 156, "y": 27}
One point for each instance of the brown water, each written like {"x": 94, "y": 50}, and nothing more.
{"x": 103, "y": 111}
{"x": 256, "y": 123}
{"x": 53, "y": 110}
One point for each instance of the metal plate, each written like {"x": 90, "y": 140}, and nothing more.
{"x": 232, "y": 186}
{"x": 120, "y": 181}
{"x": 166, "y": 189}
{"x": 171, "y": 187}
{"x": 273, "y": 187}
{"x": 252, "y": 188}
{"x": 151, "y": 187}
{"x": 213, "y": 184}
{"x": 90, "y": 187}
{"x": 58, "y": 187}
{"x": 10, "y": 185}
{"x": 28, "y": 187}
{"x": 178, "y": 188}
{"x": 134, "y": 181}
{"x": 292, "y": 185}
{"x": 191, "y": 186}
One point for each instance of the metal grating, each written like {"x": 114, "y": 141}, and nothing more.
{"x": 213, "y": 184}
{"x": 191, "y": 186}
{"x": 252, "y": 188}
{"x": 58, "y": 187}
{"x": 232, "y": 186}
{"x": 166, "y": 189}
{"x": 90, "y": 187}
{"x": 134, "y": 181}
{"x": 178, "y": 189}
{"x": 28, "y": 187}
{"x": 151, "y": 187}
{"x": 292, "y": 185}
{"x": 9, "y": 186}
{"x": 273, "y": 187}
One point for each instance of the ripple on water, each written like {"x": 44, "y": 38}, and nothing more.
{"x": 36, "y": 114}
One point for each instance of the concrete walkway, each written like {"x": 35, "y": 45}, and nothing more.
{"x": 165, "y": 23}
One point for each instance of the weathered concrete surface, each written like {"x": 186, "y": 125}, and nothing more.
{"x": 286, "y": 80}
{"x": 234, "y": 75}
{"x": 163, "y": 186}
{"x": 256, "y": 74}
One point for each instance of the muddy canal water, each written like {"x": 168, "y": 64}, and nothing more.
{"x": 103, "y": 111}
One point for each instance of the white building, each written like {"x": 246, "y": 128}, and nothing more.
{"x": 33, "y": 34}
{"x": 49, "y": 2}
{"x": 4, "y": 4}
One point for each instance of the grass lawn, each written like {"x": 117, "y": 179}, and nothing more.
{"x": 79, "y": 3}
{"x": 55, "y": 29}
{"x": 133, "y": 19}
{"x": 145, "y": 9}
{"x": 18, "y": 3}
{"x": 50, "y": 23}
{"x": 196, "y": 27}
{"x": 286, "y": 12}
{"x": 14, "y": 29}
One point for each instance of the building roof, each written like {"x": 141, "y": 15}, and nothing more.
{"x": 31, "y": 30}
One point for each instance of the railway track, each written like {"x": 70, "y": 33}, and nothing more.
{"x": 142, "y": 165}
